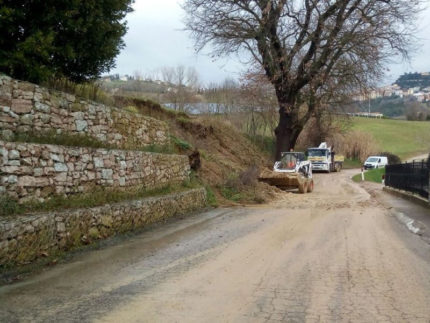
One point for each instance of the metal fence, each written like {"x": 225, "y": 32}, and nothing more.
{"x": 412, "y": 177}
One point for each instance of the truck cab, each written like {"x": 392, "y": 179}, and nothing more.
{"x": 320, "y": 158}
{"x": 323, "y": 159}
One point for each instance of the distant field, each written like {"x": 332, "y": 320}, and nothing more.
{"x": 403, "y": 138}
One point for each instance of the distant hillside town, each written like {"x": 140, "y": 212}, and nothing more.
{"x": 416, "y": 85}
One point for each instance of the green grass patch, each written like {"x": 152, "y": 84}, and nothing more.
{"x": 51, "y": 137}
{"x": 180, "y": 143}
{"x": 230, "y": 193}
{"x": 400, "y": 137}
{"x": 211, "y": 198}
{"x": 97, "y": 197}
{"x": 373, "y": 175}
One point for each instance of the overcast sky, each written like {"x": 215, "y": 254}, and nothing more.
{"x": 155, "y": 39}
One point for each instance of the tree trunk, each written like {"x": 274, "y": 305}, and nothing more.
{"x": 287, "y": 132}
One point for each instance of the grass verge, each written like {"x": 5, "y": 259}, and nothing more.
{"x": 373, "y": 175}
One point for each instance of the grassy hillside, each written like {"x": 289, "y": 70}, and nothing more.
{"x": 403, "y": 138}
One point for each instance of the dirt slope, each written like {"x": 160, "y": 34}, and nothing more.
{"x": 229, "y": 160}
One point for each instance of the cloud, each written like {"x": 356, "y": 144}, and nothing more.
{"x": 156, "y": 38}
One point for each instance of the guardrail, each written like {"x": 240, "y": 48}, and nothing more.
{"x": 412, "y": 177}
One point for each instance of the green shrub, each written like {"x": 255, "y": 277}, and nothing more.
{"x": 392, "y": 158}
{"x": 230, "y": 193}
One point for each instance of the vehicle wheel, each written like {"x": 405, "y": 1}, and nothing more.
{"x": 311, "y": 186}
{"x": 303, "y": 187}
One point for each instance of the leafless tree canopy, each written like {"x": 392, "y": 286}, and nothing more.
{"x": 306, "y": 47}
{"x": 184, "y": 83}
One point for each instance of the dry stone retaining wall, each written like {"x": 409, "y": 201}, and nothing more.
{"x": 31, "y": 171}
{"x": 26, "y": 238}
{"x": 25, "y": 107}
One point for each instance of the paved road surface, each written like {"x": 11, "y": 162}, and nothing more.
{"x": 334, "y": 255}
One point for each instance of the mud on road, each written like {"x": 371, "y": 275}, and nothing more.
{"x": 334, "y": 255}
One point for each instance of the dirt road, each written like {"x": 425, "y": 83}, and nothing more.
{"x": 333, "y": 255}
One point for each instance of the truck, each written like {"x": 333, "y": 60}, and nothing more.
{"x": 293, "y": 171}
{"x": 323, "y": 158}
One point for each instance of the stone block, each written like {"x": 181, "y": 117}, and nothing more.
{"x": 30, "y": 181}
{"x": 14, "y": 154}
{"x": 98, "y": 162}
{"x": 27, "y": 181}
{"x": 7, "y": 134}
{"x": 81, "y": 125}
{"x": 6, "y": 118}
{"x": 91, "y": 176}
{"x": 38, "y": 172}
{"x": 10, "y": 169}
{"x": 107, "y": 174}
{"x": 61, "y": 177}
{"x": 27, "y": 119}
{"x": 13, "y": 163}
{"x": 57, "y": 158}
{"x": 5, "y": 100}
{"x": 45, "y": 118}
{"x": 21, "y": 106}
{"x": 12, "y": 179}
{"x": 42, "y": 107}
{"x": 60, "y": 167}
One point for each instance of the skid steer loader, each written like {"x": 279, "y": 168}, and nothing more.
{"x": 293, "y": 171}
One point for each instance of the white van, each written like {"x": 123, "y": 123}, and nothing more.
{"x": 375, "y": 162}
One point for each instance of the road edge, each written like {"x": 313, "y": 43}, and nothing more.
{"x": 408, "y": 196}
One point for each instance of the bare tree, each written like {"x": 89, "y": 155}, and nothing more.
{"x": 193, "y": 79}
{"x": 303, "y": 44}
{"x": 167, "y": 74}
{"x": 183, "y": 84}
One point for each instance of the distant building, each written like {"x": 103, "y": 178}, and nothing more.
{"x": 376, "y": 115}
